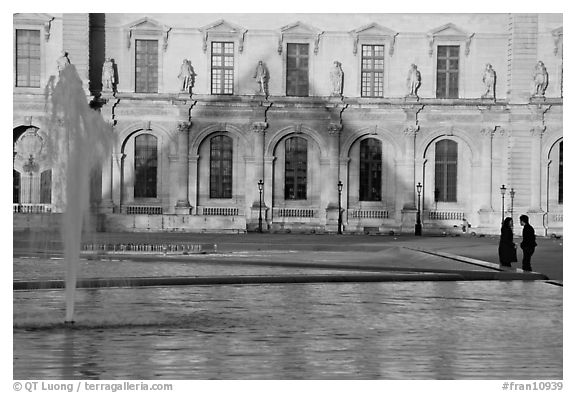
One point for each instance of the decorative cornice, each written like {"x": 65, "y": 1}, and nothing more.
{"x": 223, "y": 28}
{"x": 300, "y": 30}
{"x": 449, "y": 32}
{"x": 372, "y": 32}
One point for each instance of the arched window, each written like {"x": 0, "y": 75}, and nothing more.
{"x": 46, "y": 186}
{"x": 560, "y": 172}
{"x": 145, "y": 166}
{"x": 446, "y": 170}
{"x": 16, "y": 186}
{"x": 296, "y": 168}
{"x": 221, "y": 167}
{"x": 370, "y": 170}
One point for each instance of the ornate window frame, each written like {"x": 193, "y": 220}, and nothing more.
{"x": 222, "y": 31}
{"x": 450, "y": 34}
{"x": 373, "y": 34}
{"x": 42, "y": 23}
{"x": 146, "y": 29}
{"x": 299, "y": 33}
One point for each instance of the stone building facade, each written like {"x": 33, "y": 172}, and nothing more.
{"x": 205, "y": 106}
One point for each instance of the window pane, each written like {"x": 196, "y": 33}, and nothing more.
{"x": 447, "y": 68}
{"x": 221, "y": 167}
{"x": 372, "y": 71}
{"x": 446, "y": 170}
{"x": 146, "y": 66}
{"x": 560, "y": 174}
{"x": 28, "y": 58}
{"x": 297, "y": 70}
{"x": 296, "y": 168}
{"x": 222, "y": 68}
{"x": 145, "y": 166}
{"x": 46, "y": 186}
{"x": 16, "y": 186}
{"x": 370, "y": 170}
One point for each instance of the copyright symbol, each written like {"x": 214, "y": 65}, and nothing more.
{"x": 17, "y": 386}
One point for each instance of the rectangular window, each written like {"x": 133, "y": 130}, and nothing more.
{"x": 222, "y": 68}
{"x": 145, "y": 166}
{"x": 28, "y": 58}
{"x": 447, "y": 66}
{"x": 370, "y": 170}
{"x": 296, "y": 168}
{"x": 372, "y": 70}
{"x": 297, "y": 70}
{"x": 446, "y": 170}
{"x": 146, "y": 66}
{"x": 221, "y": 167}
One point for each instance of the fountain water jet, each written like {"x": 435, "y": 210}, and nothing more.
{"x": 80, "y": 140}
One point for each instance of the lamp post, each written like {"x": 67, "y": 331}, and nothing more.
{"x": 30, "y": 167}
{"x": 418, "y": 227}
{"x": 260, "y": 187}
{"x": 339, "y": 207}
{"x": 503, "y": 193}
{"x": 512, "y": 193}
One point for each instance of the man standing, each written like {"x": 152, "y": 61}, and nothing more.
{"x": 528, "y": 243}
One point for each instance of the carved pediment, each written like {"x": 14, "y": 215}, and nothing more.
{"x": 222, "y": 28}
{"x": 43, "y": 21}
{"x": 558, "y": 35}
{"x": 300, "y": 30}
{"x": 147, "y": 27}
{"x": 449, "y": 32}
{"x": 374, "y": 31}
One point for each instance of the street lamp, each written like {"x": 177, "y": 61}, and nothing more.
{"x": 260, "y": 187}
{"x": 339, "y": 207}
{"x": 503, "y": 192}
{"x": 418, "y": 227}
{"x": 512, "y": 193}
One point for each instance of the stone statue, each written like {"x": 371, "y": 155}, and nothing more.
{"x": 413, "y": 81}
{"x": 540, "y": 82}
{"x": 261, "y": 75}
{"x": 187, "y": 76}
{"x": 489, "y": 80}
{"x": 63, "y": 61}
{"x": 336, "y": 76}
{"x": 108, "y": 75}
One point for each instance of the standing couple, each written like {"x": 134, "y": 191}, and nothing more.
{"x": 507, "y": 247}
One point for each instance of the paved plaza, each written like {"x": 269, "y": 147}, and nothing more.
{"x": 385, "y": 251}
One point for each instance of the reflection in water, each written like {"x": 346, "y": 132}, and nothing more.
{"x": 421, "y": 330}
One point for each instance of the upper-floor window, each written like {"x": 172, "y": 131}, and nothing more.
{"x": 146, "y": 66}
{"x": 221, "y": 167}
{"x": 297, "y": 58}
{"x": 145, "y": 166}
{"x": 296, "y": 168}
{"x": 28, "y": 58}
{"x": 222, "y": 68}
{"x": 372, "y": 70}
{"x": 445, "y": 174}
{"x": 370, "y": 170}
{"x": 560, "y": 173}
{"x": 447, "y": 67}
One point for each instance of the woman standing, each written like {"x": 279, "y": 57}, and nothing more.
{"x": 507, "y": 248}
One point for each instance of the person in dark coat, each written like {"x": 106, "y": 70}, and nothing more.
{"x": 528, "y": 244}
{"x": 507, "y": 248}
